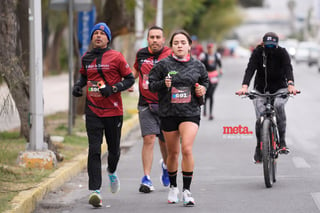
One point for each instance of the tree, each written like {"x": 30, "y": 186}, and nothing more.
{"x": 119, "y": 15}
{"x": 12, "y": 65}
{"x": 214, "y": 19}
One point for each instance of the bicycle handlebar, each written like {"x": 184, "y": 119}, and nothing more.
{"x": 253, "y": 94}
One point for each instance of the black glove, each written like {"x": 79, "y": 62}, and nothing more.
{"x": 77, "y": 91}
{"x": 106, "y": 91}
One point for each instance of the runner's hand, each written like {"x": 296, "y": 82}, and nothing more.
{"x": 77, "y": 91}
{"x": 106, "y": 91}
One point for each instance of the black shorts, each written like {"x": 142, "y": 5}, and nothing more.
{"x": 169, "y": 124}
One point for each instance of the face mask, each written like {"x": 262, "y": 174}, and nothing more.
{"x": 270, "y": 46}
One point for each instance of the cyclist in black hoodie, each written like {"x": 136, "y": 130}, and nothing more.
{"x": 175, "y": 79}
{"x": 272, "y": 66}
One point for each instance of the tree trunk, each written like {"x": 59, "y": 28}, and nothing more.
{"x": 11, "y": 62}
{"x": 118, "y": 17}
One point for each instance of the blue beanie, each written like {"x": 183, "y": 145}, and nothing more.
{"x": 101, "y": 26}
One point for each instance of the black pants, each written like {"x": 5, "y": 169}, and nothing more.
{"x": 209, "y": 95}
{"x": 111, "y": 127}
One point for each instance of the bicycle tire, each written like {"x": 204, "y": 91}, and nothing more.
{"x": 267, "y": 159}
{"x": 275, "y": 140}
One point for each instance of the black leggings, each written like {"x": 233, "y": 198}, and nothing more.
{"x": 111, "y": 127}
{"x": 209, "y": 95}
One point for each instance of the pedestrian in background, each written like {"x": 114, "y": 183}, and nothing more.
{"x": 212, "y": 62}
{"x": 105, "y": 73}
{"x": 196, "y": 47}
{"x": 175, "y": 79}
{"x": 148, "y": 106}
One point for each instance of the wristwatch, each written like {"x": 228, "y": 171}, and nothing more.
{"x": 114, "y": 89}
{"x": 290, "y": 83}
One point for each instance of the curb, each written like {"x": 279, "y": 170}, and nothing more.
{"x": 26, "y": 201}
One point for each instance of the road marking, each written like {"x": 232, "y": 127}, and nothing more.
{"x": 316, "y": 198}
{"x": 300, "y": 162}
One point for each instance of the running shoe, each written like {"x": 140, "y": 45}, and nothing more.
{"x": 284, "y": 150}
{"x": 95, "y": 199}
{"x": 173, "y": 195}
{"x": 114, "y": 182}
{"x": 165, "y": 176}
{"x": 146, "y": 185}
{"x": 187, "y": 198}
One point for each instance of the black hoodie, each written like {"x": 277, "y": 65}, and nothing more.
{"x": 277, "y": 73}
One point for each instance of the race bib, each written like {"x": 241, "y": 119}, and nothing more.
{"x": 213, "y": 77}
{"x": 145, "y": 81}
{"x": 180, "y": 95}
{"x": 93, "y": 89}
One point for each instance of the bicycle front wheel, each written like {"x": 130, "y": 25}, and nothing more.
{"x": 269, "y": 163}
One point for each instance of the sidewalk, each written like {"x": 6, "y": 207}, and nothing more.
{"x": 53, "y": 103}
{"x": 26, "y": 201}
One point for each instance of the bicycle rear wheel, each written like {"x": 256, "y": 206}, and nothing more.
{"x": 269, "y": 163}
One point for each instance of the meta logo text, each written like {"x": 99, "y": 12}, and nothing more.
{"x": 235, "y": 130}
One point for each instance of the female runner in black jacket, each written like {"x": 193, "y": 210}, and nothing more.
{"x": 174, "y": 78}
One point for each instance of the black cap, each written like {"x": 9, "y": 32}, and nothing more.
{"x": 270, "y": 38}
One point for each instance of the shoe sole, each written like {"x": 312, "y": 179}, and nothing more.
{"x": 173, "y": 202}
{"x": 189, "y": 204}
{"x": 145, "y": 189}
{"x": 284, "y": 151}
{"x": 95, "y": 201}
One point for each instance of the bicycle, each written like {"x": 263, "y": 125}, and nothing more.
{"x": 269, "y": 135}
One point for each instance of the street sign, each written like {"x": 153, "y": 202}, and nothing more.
{"x": 78, "y": 5}
{"x": 86, "y": 20}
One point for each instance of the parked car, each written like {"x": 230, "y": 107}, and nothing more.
{"x": 291, "y": 46}
{"x": 307, "y": 52}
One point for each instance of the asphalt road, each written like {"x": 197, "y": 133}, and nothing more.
{"x": 225, "y": 178}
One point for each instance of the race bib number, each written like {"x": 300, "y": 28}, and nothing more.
{"x": 145, "y": 81}
{"x": 180, "y": 95}
{"x": 93, "y": 89}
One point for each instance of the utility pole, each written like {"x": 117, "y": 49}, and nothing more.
{"x": 36, "y": 87}
{"x": 70, "y": 6}
{"x": 291, "y": 6}
{"x": 159, "y": 17}
{"x": 139, "y": 29}
{"x": 70, "y": 114}
{"x": 37, "y": 154}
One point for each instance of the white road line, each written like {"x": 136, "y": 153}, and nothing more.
{"x": 300, "y": 162}
{"x": 316, "y": 198}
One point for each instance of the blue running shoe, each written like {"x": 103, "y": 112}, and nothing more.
{"x": 146, "y": 185}
{"x": 165, "y": 176}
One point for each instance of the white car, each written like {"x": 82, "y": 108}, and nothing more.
{"x": 291, "y": 46}
{"x": 307, "y": 52}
